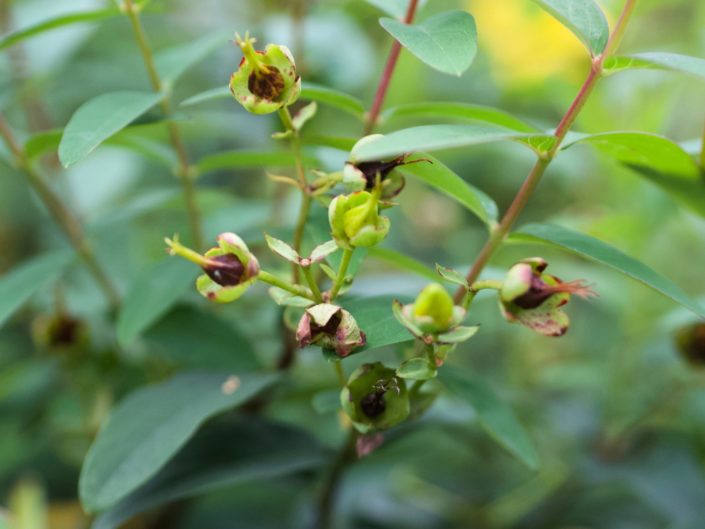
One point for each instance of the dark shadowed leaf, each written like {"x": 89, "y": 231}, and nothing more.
{"x": 147, "y": 428}
{"x": 402, "y": 262}
{"x": 495, "y": 415}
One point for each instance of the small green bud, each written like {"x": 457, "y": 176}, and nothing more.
{"x": 355, "y": 220}
{"x": 230, "y": 268}
{"x": 265, "y": 80}
{"x": 534, "y": 299}
{"x": 330, "y": 327}
{"x": 375, "y": 398}
{"x": 433, "y": 308}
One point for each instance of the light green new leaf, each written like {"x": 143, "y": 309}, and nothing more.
{"x": 461, "y": 111}
{"x": 173, "y": 62}
{"x": 33, "y": 275}
{"x": 375, "y": 318}
{"x": 256, "y": 450}
{"x": 146, "y": 429}
{"x": 441, "y": 177}
{"x": 495, "y": 416}
{"x": 446, "y": 42}
{"x": 57, "y": 22}
{"x": 657, "y": 61}
{"x": 402, "y": 262}
{"x": 151, "y": 295}
{"x": 584, "y": 18}
{"x": 98, "y": 119}
{"x": 433, "y": 137}
{"x": 603, "y": 253}
{"x": 333, "y": 98}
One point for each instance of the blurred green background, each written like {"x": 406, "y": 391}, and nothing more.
{"x": 617, "y": 415}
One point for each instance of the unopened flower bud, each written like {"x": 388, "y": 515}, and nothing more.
{"x": 265, "y": 80}
{"x": 230, "y": 268}
{"x": 375, "y": 398}
{"x": 534, "y": 299}
{"x": 330, "y": 327}
{"x": 355, "y": 220}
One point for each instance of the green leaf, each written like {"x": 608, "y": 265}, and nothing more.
{"x": 333, "y": 98}
{"x": 495, "y": 416}
{"x": 643, "y": 149}
{"x": 451, "y": 275}
{"x": 441, "y": 177}
{"x": 323, "y": 251}
{"x": 459, "y": 334}
{"x": 659, "y": 160}
{"x": 220, "y": 92}
{"x": 603, "y": 253}
{"x": 245, "y": 158}
{"x": 304, "y": 115}
{"x": 446, "y": 42}
{"x": 98, "y": 119}
{"x": 151, "y": 295}
{"x": 657, "y": 61}
{"x": 433, "y": 137}
{"x": 147, "y": 428}
{"x": 584, "y": 18}
{"x": 255, "y": 450}
{"x": 336, "y": 142}
{"x": 395, "y": 8}
{"x": 402, "y": 262}
{"x": 375, "y": 318}
{"x": 33, "y": 275}
{"x": 461, "y": 111}
{"x": 282, "y": 249}
{"x": 173, "y": 62}
{"x": 418, "y": 368}
{"x": 199, "y": 339}
{"x": 57, "y": 22}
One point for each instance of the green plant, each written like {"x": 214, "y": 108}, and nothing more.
{"x": 167, "y": 441}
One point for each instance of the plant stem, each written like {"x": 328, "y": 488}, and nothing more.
{"x": 312, "y": 283}
{"x": 332, "y": 481}
{"x": 534, "y": 177}
{"x": 387, "y": 74}
{"x": 339, "y": 371}
{"x": 702, "y": 152}
{"x": 63, "y": 216}
{"x": 184, "y": 172}
{"x": 297, "y": 290}
{"x": 342, "y": 270}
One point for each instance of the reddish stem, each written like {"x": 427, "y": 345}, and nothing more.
{"x": 387, "y": 74}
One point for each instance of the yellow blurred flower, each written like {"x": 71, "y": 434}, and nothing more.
{"x": 526, "y": 45}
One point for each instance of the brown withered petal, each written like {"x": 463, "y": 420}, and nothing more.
{"x": 267, "y": 84}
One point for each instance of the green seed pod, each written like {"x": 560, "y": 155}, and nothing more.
{"x": 355, "y": 220}
{"x": 230, "y": 268}
{"x": 265, "y": 80}
{"x": 375, "y": 398}
{"x": 534, "y": 299}
{"x": 330, "y": 327}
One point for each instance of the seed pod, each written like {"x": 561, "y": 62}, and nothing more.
{"x": 691, "y": 344}
{"x": 230, "y": 268}
{"x": 265, "y": 80}
{"x": 330, "y": 327}
{"x": 534, "y": 299}
{"x": 355, "y": 220}
{"x": 375, "y": 398}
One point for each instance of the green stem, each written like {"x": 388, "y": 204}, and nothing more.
{"x": 702, "y": 152}
{"x": 342, "y": 271}
{"x": 312, "y": 283}
{"x": 297, "y": 290}
{"x": 184, "y": 172}
{"x": 539, "y": 169}
{"x": 63, "y": 216}
{"x": 341, "y": 374}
